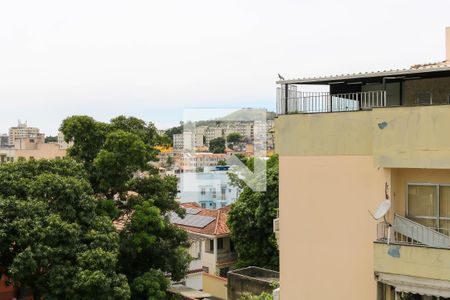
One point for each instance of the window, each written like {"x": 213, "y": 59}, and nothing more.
{"x": 424, "y": 98}
{"x": 223, "y": 192}
{"x": 220, "y": 243}
{"x": 203, "y": 191}
{"x": 214, "y": 194}
{"x": 211, "y": 246}
{"x": 429, "y": 205}
{"x": 203, "y": 205}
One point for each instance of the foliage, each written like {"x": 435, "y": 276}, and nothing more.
{"x": 118, "y": 164}
{"x": 51, "y": 239}
{"x": 221, "y": 163}
{"x": 51, "y": 139}
{"x": 217, "y": 145}
{"x": 174, "y": 130}
{"x": 234, "y": 139}
{"x": 251, "y": 221}
{"x": 262, "y": 296}
{"x": 122, "y": 155}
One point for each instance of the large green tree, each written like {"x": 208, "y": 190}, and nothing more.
{"x": 251, "y": 221}
{"x": 150, "y": 247}
{"x": 51, "y": 239}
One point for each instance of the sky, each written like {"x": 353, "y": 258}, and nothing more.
{"x": 152, "y": 59}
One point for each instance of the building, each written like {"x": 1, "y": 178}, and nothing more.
{"x": 62, "y": 143}
{"x": 4, "y": 141}
{"x": 213, "y": 133}
{"x": 210, "y": 189}
{"x": 23, "y": 131}
{"x": 186, "y": 141}
{"x": 28, "y": 148}
{"x": 374, "y": 137}
{"x": 211, "y": 247}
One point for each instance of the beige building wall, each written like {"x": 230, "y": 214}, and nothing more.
{"x": 326, "y": 232}
{"x": 401, "y": 178}
{"x": 46, "y": 151}
{"x": 215, "y": 285}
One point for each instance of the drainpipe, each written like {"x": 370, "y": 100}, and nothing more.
{"x": 286, "y": 96}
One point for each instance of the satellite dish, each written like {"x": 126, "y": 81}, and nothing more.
{"x": 382, "y": 209}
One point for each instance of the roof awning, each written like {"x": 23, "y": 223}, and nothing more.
{"x": 372, "y": 76}
{"x": 416, "y": 285}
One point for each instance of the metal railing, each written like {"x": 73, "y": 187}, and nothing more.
{"x": 226, "y": 256}
{"x": 405, "y": 231}
{"x": 320, "y": 102}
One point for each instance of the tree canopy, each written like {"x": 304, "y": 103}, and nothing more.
{"x": 57, "y": 235}
{"x": 51, "y": 239}
{"x": 234, "y": 139}
{"x": 251, "y": 221}
{"x": 217, "y": 145}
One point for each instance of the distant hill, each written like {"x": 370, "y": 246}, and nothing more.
{"x": 248, "y": 114}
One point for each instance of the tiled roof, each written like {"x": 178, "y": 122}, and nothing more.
{"x": 218, "y": 227}
{"x": 419, "y": 68}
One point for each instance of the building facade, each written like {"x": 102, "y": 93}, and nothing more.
{"x": 23, "y": 131}
{"x": 211, "y": 189}
{"x": 374, "y": 138}
{"x": 211, "y": 248}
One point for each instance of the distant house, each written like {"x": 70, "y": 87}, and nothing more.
{"x": 211, "y": 189}
{"x": 211, "y": 246}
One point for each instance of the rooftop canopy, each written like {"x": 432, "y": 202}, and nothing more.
{"x": 433, "y": 70}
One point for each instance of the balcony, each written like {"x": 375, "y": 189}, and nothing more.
{"x": 321, "y": 102}
{"x": 412, "y": 258}
{"x": 223, "y": 257}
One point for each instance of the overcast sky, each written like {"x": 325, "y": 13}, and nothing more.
{"x": 151, "y": 58}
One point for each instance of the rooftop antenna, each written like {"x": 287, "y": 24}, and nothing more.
{"x": 382, "y": 210}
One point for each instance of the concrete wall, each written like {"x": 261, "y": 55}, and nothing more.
{"x": 214, "y": 285}
{"x": 439, "y": 88}
{"x": 326, "y": 232}
{"x": 401, "y": 177}
{"x": 415, "y": 261}
{"x": 251, "y": 280}
{"x": 396, "y": 137}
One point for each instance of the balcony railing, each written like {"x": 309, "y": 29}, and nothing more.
{"x": 405, "y": 231}
{"x": 226, "y": 256}
{"x": 320, "y": 102}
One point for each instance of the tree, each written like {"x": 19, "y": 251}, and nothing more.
{"x": 251, "y": 221}
{"x": 150, "y": 246}
{"x": 234, "y": 139}
{"x": 221, "y": 163}
{"x": 122, "y": 155}
{"x": 51, "y": 139}
{"x": 51, "y": 239}
{"x": 217, "y": 145}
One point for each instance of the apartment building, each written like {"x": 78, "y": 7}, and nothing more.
{"x": 211, "y": 188}
{"x": 211, "y": 247}
{"x": 373, "y": 138}
{"x": 62, "y": 142}
{"x": 4, "y": 141}
{"x": 23, "y": 131}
